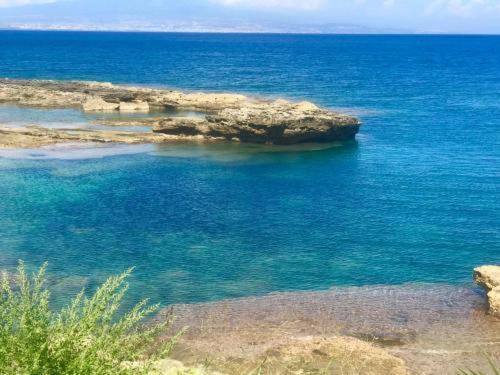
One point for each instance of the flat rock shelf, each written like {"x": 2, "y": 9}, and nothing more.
{"x": 225, "y": 117}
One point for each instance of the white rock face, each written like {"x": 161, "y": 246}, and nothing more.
{"x": 136, "y": 106}
{"x": 306, "y": 106}
{"x": 489, "y": 278}
{"x": 96, "y": 104}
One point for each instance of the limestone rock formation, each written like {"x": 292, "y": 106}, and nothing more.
{"x": 134, "y": 106}
{"x": 489, "y": 278}
{"x": 97, "y": 104}
{"x": 33, "y": 136}
{"x": 63, "y": 94}
{"x": 280, "y": 122}
{"x": 231, "y": 117}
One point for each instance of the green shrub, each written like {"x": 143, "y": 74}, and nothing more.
{"x": 86, "y": 337}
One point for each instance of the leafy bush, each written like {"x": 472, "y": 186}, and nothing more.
{"x": 86, "y": 337}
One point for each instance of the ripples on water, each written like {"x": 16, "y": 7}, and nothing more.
{"x": 434, "y": 328}
{"x": 388, "y": 315}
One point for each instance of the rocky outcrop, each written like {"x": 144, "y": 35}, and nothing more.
{"x": 134, "y": 106}
{"x": 33, "y": 136}
{"x": 279, "y": 122}
{"x": 96, "y": 104}
{"x": 489, "y": 278}
{"x": 227, "y": 116}
{"x": 47, "y": 93}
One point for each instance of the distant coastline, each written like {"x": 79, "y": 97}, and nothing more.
{"x": 335, "y": 29}
{"x": 78, "y": 28}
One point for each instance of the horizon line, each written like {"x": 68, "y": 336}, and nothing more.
{"x": 89, "y": 30}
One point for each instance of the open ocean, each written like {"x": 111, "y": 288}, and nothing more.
{"x": 414, "y": 200}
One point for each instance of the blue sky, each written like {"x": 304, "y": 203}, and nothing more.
{"x": 452, "y": 16}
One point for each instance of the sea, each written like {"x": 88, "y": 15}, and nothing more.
{"x": 413, "y": 201}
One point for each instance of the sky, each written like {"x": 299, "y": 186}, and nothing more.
{"x": 412, "y": 16}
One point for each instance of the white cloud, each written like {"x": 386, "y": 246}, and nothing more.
{"x": 17, "y": 3}
{"x": 294, "y": 4}
{"x": 463, "y": 8}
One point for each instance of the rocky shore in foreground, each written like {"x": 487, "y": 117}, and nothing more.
{"x": 228, "y": 117}
{"x": 489, "y": 278}
{"x": 424, "y": 329}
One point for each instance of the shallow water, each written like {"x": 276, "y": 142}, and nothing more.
{"x": 414, "y": 199}
{"x": 388, "y": 315}
{"x": 72, "y": 118}
{"x": 434, "y": 328}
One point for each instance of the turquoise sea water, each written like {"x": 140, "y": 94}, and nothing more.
{"x": 414, "y": 199}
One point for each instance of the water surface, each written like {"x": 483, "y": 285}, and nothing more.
{"x": 414, "y": 199}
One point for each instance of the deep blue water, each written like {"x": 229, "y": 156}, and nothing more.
{"x": 415, "y": 199}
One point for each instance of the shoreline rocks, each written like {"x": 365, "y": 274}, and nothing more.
{"x": 135, "y": 106}
{"x": 35, "y": 136}
{"x": 274, "y": 123}
{"x": 227, "y": 117}
{"x": 98, "y": 105}
{"x": 489, "y": 278}
{"x": 419, "y": 328}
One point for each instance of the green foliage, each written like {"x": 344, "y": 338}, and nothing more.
{"x": 495, "y": 370}
{"x": 86, "y": 337}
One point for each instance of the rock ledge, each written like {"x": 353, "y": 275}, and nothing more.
{"x": 230, "y": 117}
{"x": 489, "y": 278}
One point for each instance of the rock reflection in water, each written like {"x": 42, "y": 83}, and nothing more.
{"x": 237, "y": 152}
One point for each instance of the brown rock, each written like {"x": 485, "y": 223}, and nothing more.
{"x": 489, "y": 278}
{"x": 277, "y": 123}
{"x": 228, "y": 116}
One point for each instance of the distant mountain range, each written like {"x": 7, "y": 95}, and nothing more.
{"x": 195, "y": 26}
{"x": 279, "y": 16}
{"x": 160, "y": 15}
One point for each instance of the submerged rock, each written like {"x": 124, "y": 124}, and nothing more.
{"x": 342, "y": 355}
{"x": 489, "y": 278}
{"x": 230, "y": 117}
